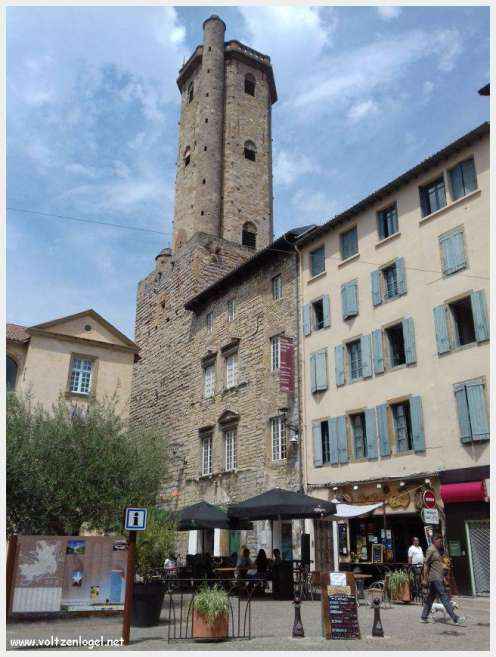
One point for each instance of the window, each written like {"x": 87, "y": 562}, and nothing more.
{"x": 231, "y": 370}
{"x": 433, "y": 196}
{"x": 191, "y": 90}
{"x": 348, "y": 243}
{"x": 278, "y": 434}
{"x": 275, "y": 353}
{"x": 277, "y": 287}
{"x": 349, "y": 299}
{"x": 249, "y": 236}
{"x": 396, "y": 345}
{"x": 81, "y": 376}
{"x": 390, "y": 282}
{"x": 463, "y": 179}
{"x": 249, "y": 84}
{"x": 317, "y": 261}
{"x": 208, "y": 381}
{"x": 250, "y": 151}
{"x": 230, "y": 450}
{"x": 463, "y": 321}
{"x": 452, "y": 252}
{"x": 402, "y": 426}
{"x": 187, "y": 156}
{"x": 326, "y": 447}
{"x": 318, "y": 314}
{"x": 318, "y": 371}
{"x": 11, "y": 373}
{"x": 359, "y": 435}
{"x": 209, "y": 321}
{"x": 206, "y": 454}
{"x": 231, "y": 310}
{"x": 387, "y": 222}
{"x": 472, "y": 411}
{"x": 355, "y": 360}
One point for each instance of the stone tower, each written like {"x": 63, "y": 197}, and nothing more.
{"x": 224, "y": 163}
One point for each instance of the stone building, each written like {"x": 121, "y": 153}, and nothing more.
{"x": 218, "y": 315}
{"x": 395, "y": 344}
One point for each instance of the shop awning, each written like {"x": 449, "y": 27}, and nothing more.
{"x": 467, "y": 491}
{"x": 354, "y": 510}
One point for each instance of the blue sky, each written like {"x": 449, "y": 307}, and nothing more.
{"x": 92, "y": 110}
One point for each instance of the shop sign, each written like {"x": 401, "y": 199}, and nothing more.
{"x": 430, "y": 516}
{"x": 429, "y": 499}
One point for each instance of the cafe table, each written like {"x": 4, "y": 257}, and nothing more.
{"x": 360, "y": 582}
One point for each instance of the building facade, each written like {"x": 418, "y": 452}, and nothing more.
{"x": 395, "y": 345}
{"x": 217, "y": 317}
{"x": 80, "y": 357}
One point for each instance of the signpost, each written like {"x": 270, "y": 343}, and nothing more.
{"x": 134, "y": 521}
{"x": 430, "y": 516}
{"x": 429, "y": 499}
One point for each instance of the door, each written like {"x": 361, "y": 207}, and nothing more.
{"x": 478, "y": 536}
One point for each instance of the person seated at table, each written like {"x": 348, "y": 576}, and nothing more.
{"x": 207, "y": 566}
{"x": 233, "y": 559}
{"x": 276, "y": 560}
{"x": 262, "y": 563}
{"x": 244, "y": 563}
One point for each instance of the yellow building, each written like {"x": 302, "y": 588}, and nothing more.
{"x": 395, "y": 351}
{"x": 81, "y": 356}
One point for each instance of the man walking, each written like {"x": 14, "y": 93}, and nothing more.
{"x": 416, "y": 560}
{"x": 435, "y": 574}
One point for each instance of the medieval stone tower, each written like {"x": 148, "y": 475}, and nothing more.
{"x": 224, "y": 163}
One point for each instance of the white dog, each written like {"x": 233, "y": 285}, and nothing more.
{"x": 438, "y": 608}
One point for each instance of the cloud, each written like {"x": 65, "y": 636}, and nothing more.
{"x": 361, "y": 110}
{"x": 388, "y": 12}
{"x": 311, "y": 206}
{"x": 290, "y": 166}
{"x": 448, "y": 45}
{"x": 427, "y": 89}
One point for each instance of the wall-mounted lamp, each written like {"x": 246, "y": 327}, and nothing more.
{"x": 335, "y": 488}
{"x": 355, "y": 487}
{"x": 402, "y": 483}
{"x": 427, "y": 481}
{"x": 379, "y": 485}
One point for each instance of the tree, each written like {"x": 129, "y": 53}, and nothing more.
{"x": 64, "y": 470}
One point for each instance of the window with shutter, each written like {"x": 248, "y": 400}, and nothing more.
{"x": 472, "y": 411}
{"x": 321, "y": 370}
{"x": 452, "y": 252}
{"x": 355, "y": 359}
{"x": 357, "y": 422}
{"x": 349, "y": 243}
{"x": 383, "y": 430}
{"x": 377, "y": 351}
{"x": 463, "y": 179}
{"x": 366, "y": 353}
{"x": 342, "y": 439}
{"x": 395, "y": 338}
{"x": 402, "y": 426}
{"x": 349, "y": 299}
{"x": 387, "y": 222}
{"x": 333, "y": 441}
{"x": 463, "y": 322}
{"x": 441, "y": 328}
{"x": 307, "y": 324}
{"x": 479, "y": 312}
{"x": 321, "y": 313}
{"x": 417, "y": 424}
{"x": 371, "y": 433}
{"x": 317, "y": 444}
{"x": 375, "y": 279}
{"x": 409, "y": 340}
{"x": 275, "y": 352}
{"x": 433, "y": 196}
{"x": 317, "y": 261}
{"x": 339, "y": 364}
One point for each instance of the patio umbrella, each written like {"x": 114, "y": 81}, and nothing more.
{"x": 280, "y": 504}
{"x": 207, "y": 516}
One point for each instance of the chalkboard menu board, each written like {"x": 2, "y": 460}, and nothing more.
{"x": 343, "y": 617}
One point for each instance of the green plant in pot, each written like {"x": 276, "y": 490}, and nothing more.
{"x": 211, "y": 614}
{"x": 399, "y": 583}
{"x": 153, "y": 546}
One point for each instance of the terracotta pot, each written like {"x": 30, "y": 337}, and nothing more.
{"x": 203, "y": 630}
{"x": 404, "y": 593}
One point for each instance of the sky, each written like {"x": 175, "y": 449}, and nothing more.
{"x": 365, "y": 93}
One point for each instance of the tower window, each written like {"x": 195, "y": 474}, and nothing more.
{"x": 250, "y": 151}
{"x": 249, "y": 84}
{"x": 249, "y": 236}
{"x": 191, "y": 92}
{"x": 187, "y": 156}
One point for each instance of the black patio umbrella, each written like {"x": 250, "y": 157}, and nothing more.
{"x": 280, "y": 504}
{"x": 207, "y": 516}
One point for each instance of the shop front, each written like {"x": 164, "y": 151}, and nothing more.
{"x": 465, "y": 494}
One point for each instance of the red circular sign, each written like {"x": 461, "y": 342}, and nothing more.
{"x": 429, "y": 499}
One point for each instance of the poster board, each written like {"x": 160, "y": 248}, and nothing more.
{"x": 339, "y": 607}
{"x": 54, "y": 574}
{"x": 377, "y": 553}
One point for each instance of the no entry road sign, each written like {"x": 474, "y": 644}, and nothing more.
{"x": 135, "y": 519}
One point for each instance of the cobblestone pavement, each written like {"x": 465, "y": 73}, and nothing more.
{"x": 271, "y": 630}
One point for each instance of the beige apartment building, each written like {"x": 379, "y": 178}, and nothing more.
{"x": 395, "y": 349}
{"x": 80, "y": 357}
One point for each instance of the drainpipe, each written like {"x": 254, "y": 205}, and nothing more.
{"x": 301, "y": 423}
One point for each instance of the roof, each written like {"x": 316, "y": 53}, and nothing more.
{"x": 486, "y": 90}
{"x": 402, "y": 180}
{"x": 17, "y": 333}
{"x": 285, "y": 243}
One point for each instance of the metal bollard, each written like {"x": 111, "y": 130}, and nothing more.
{"x": 377, "y": 629}
{"x": 297, "y": 625}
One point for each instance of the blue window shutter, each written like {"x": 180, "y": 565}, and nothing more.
{"x": 344, "y": 300}
{"x": 409, "y": 340}
{"x": 418, "y": 438}
{"x": 462, "y": 411}
{"x": 307, "y": 326}
{"x": 313, "y": 374}
{"x": 457, "y": 182}
{"x": 401, "y": 275}
{"x": 339, "y": 364}
{"x": 365, "y": 346}
{"x": 469, "y": 177}
{"x": 342, "y": 439}
{"x": 453, "y": 253}
{"x": 353, "y": 298}
{"x": 317, "y": 444}
{"x": 321, "y": 370}
{"x": 478, "y": 300}
{"x": 371, "y": 431}
{"x": 333, "y": 441}
{"x": 382, "y": 425}
{"x": 393, "y": 222}
{"x": 441, "y": 327}
{"x": 375, "y": 277}
{"x": 477, "y": 409}
{"x": 326, "y": 310}
{"x": 377, "y": 351}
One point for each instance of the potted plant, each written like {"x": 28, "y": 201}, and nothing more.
{"x": 399, "y": 586}
{"x": 153, "y": 546}
{"x": 211, "y": 614}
